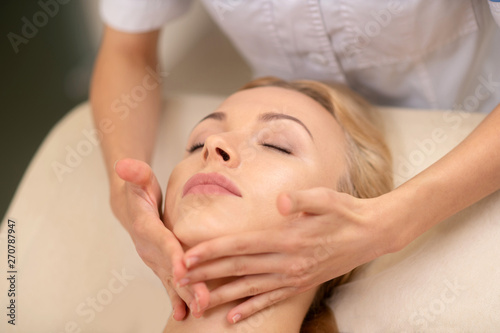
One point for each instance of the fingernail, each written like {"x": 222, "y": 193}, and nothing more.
{"x": 197, "y": 298}
{"x": 182, "y": 282}
{"x": 235, "y": 318}
{"x": 191, "y": 261}
{"x": 192, "y": 306}
{"x": 114, "y": 165}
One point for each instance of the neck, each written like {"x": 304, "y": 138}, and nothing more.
{"x": 285, "y": 316}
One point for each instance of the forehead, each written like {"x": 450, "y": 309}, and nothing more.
{"x": 247, "y": 105}
{"x": 273, "y": 99}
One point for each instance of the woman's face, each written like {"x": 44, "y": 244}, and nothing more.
{"x": 258, "y": 143}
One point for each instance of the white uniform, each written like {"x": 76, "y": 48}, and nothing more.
{"x": 436, "y": 54}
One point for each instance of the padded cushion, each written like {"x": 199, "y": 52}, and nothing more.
{"x": 445, "y": 280}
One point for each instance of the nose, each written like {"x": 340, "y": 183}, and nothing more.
{"x": 218, "y": 149}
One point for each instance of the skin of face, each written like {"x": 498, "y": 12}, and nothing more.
{"x": 244, "y": 142}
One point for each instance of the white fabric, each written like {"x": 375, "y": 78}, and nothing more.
{"x": 444, "y": 281}
{"x": 495, "y": 10}
{"x": 140, "y": 15}
{"x": 422, "y": 54}
{"x": 71, "y": 251}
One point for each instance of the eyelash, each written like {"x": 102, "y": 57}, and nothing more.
{"x": 195, "y": 146}
{"x": 280, "y": 149}
{"x": 199, "y": 145}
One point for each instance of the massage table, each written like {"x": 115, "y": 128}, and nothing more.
{"x": 77, "y": 270}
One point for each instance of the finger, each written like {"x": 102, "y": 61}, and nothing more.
{"x": 262, "y": 302}
{"x": 159, "y": 248}
{"x": 178, "y": 305}
{"x": 174, "y": 251}
{"x": 253, "y": 242}
{"x": 318, "y": 201}
{"x": 196, "y": 296}
{"x": 133, "y": 171}
{"x": 235, "y": 266}
{"x": 197, "y": 291}
{"x": 186, "y": 295}
{"x": 244, "y": 287}
{"x": 284, "y": 204}
{"x": 201, "y": 298}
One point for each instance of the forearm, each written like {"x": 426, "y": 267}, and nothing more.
{"x": 467, "y": 174}
{"x": 126, "y": 98}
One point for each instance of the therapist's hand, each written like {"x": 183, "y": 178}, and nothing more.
{"x": 136, "y": 202}
{"x": 331, "y": 233}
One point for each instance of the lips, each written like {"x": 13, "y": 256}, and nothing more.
{"x": 210, "y": 183}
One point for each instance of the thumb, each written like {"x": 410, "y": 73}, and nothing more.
{"x": 140, "y": 177}
{"x": 134, "y": 171}
{"x": 317, "y": 201}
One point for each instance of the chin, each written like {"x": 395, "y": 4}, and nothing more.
{"x": 196, "y": 224}
{"x": 197, "y": 219}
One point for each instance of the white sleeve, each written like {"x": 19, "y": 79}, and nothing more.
{"x": 495, "y": 10}
{"x": 140, "y": 15}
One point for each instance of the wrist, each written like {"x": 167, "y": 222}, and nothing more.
{"x": 408, "y": 213}
{"x": 394, "y": 216}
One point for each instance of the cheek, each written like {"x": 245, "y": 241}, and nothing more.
{"x": 178, "y": 178}
{"x": 267, "y": 182}
{"x": 307, "y": 174}
{"x": 275, "y": 180}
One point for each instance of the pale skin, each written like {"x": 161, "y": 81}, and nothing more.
{"x": 248, "y": 141}
{"x": 353, "y": 230}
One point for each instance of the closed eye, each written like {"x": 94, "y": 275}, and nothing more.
{"x": 281, "y": 149}
{"x": 195, "y": 147}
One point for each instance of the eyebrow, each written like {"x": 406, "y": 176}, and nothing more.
{"x": 215, "y": 115}
{"x": 274, "y": 116}
{"x": 269, "y": 116}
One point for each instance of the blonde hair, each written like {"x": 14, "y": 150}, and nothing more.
{"x": 369, "y": 166}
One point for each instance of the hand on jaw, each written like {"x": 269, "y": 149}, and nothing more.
{"x": 155, "y": 244}
{"x": 280, "y": 262}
